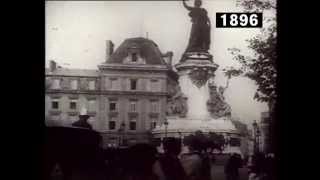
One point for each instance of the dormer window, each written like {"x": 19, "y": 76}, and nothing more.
{"x": 134, "y": 57}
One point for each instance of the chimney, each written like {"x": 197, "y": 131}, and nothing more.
{"x": 168, "y": 58}
{"x": 52, "y": 65}
{"x": 109, "y": 49}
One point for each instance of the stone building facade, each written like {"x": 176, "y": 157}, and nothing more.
{"x": 126, "y": 96}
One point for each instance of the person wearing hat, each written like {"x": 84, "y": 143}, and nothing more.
{"x": 83, "y": 120}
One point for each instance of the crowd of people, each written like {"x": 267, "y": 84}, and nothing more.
{"x": 138, "y": 162}
{"x": 80, "y": 156}
{"x": 144, "y": 162}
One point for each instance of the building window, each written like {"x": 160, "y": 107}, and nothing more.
{"x": 113, "y": 106}
{"x": 55, "y": 104}
{"x": 73, "y": 105}
{"x": 112, "y": 125}
{"x": 134, "y": 57}
{"x": 153, "y": 124}
{"x": 56, "y": 84}
{"x": 74, "y": 84}
{"x": 133, "y": 125}
{"x": 92, "y": 106}
{"x": 133, "y": 106}
{"x": 154, "y": 106}
{"x": 92, "y": 85}
{"x": 133, "y": 84}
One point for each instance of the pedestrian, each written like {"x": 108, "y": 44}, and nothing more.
{"x": 168, "y": 165}
{"x": 75, "y": 151}
{"x": 196, "y": 163}
{"x": 231, "y": 169}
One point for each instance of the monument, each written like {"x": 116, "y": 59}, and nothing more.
{"x": 198, "y": 104}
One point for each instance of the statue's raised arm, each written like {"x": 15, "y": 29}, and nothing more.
{"x": 186, "y": 6}
{"x": 199, "y": 40}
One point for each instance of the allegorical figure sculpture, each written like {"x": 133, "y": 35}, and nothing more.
{"x": 217, "y": 106}
{"x": 177, "y": 101}
{"x": 200, "y": 32}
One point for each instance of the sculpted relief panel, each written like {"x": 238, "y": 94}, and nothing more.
{"x": 177, "y": 101}
{"x": 217, "y": 106}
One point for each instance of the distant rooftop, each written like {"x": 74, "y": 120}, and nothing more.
{"x": 73, "y": 72}
{"x": 148, "y": 49}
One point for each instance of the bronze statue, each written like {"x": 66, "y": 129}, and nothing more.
{"x": 200, "y": 32}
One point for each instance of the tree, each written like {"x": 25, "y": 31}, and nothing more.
{"x": 203, "y": 142}
{"x": 217, "y": 141}
{"x": 257, "y": 5}
{"x": 261, "y": 67}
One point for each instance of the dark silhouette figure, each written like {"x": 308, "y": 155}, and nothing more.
{"x": 118, "y": 163}
{"x": 199, "y": 40}
{"x": 82, "y": 122}
{"x": 76, "y": 151}
{"x": 114, "y": 163}
{"x": 138, "y": 162}
{"x": 232, "y": 167}
{"x": 168, "y": 165}
{"x": 196, "y": 163}
{"x": 259, "y": 166}
{"x": 270, "y": 167}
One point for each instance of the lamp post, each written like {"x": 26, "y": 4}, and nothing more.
{"x": 256, "y": 134}
{"x": 258, "y": 139}
{"x": 122, "y": 129}
{"x": 166, "y": 123}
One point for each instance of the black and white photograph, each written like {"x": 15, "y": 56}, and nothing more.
{"x": 160, "y": 90}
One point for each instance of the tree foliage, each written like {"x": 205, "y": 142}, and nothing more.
{"x": 257, "y": 5}
{"x": 202, "y": 142}
{"x": 261, "y": 67}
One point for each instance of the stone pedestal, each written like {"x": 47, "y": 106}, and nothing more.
{"x": 196, "y": 71}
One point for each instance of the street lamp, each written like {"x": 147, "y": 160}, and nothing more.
{"x": 256, "y": 134}
{"x": 122, "y": 129}
{"x": 166, "y": 123}
{"x": 258, "y": 139}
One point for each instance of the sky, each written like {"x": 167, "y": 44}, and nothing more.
{"x": 76, "y": 34}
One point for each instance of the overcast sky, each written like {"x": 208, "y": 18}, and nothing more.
{"x": 76, "y": 32}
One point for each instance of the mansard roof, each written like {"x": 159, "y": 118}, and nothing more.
{"x": 73, "y": 72}
{"x": 148, "y": 50}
